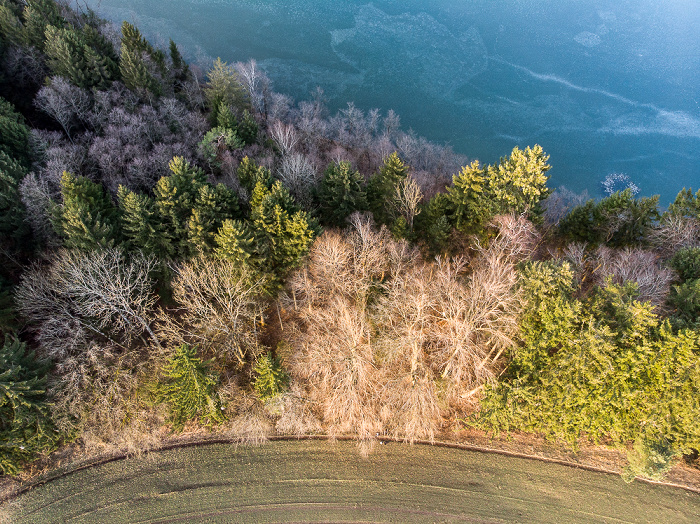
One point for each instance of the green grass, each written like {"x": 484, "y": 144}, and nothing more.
{"x": 311, "y": 481}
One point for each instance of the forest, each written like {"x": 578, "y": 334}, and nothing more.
{"x": 189, "y": 250}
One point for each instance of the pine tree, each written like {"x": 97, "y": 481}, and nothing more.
{"x": 189, "y": 388}
{"x": 341, "y": 194}
{"x": 249, "y": 174}
{"x": 37, "y": 15}
{"x": 271, "y": 378}
{"x": 14, "y": 134}
{"x": 11, "y": 27}
{"x": 25, "y": 424}
{"x": 234, "y": 242}
{"x": 224, "y": 117}
{"x": 87, "y": 219}
{"x": 381, "y": 187}
{"x": 141, "y": 225}
{"x": 248, "y": 128}
{"x": 212, "y": 207}
{"x": 132, "y": 66}
{"x": 223, "y": 85}
{"x": 519, "y": 182}
{"x": 175, "y": 197}
{"x": 283, "y": 234}
{"x": 180, "y": 70}
{"x": 469, "y": 200}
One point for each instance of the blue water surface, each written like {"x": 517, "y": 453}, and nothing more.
{"x": 604, "y": 86}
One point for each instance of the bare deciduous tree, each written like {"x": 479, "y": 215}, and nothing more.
{"x": 221, "y": 303}
{"x": 64, "y": 102}
{"x": 83, "y": 294}
{"x": 299, "y": 176}
{"x": 285, "y": 136}
{"x": 407, "y": 196}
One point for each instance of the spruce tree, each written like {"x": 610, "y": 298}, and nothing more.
{"x": 37, "y": 15}
{"x": 469, "y": 199}
{"x": 25, "y": 424}
{"x": 341, "y": 194}
{"x": 87, "y": 219}
{"x": 283, "y": 234}
{"x": 249, "y": 174}
{"x": 214, "y": 205}
{"x": 189, "y": 389}
{"x": 270, "y": 378}
{"x": 142, "y": 227}
{"x": 132, "y": 65}
{"x": 14, "y": 134}
{"x": 234, "y": 242}
{"x": 175, "y": 197}
{"x": 381, "y": 187}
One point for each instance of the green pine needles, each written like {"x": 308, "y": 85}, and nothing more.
{"x": 189, "y": 388}
{"x": 271, "y": 378}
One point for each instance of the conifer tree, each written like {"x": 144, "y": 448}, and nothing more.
{"x": 283, "y": 234}
{"x": 132, "y": 66}
{"x": 234, "y": 242}
{"x": 271, "y": 377}
{"x": 381, "y": 187}
{"x": 213, "y": 205}
{"x": 11, "y": 27}
{"x": 341, "y": 194}
{"x": 469, "y": 200}
{"x": 87, "y": 219}
{"x": 14, "y": 134}
{"x": 519, "y": 182}
{"x": 180, "y": 69}
{"x": 37, "y": 15}
{"x": 175, "y": 197}
{"x": 247, "y": 129}
{"x": 189, "y": 388}
{"x": 141, "y": 225}
{"x": 25, "y": 424}
{"x": 224, "y": 117}
{"x": 223, "y": 85}
{"x": 249, "y": 174}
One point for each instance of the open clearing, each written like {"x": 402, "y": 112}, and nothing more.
{"x": 312, "y": 481}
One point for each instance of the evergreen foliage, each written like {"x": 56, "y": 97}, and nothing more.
{"x": 71, "y": 56}
{"x": 341, "y": 194}
{"x": 234, "y": 242}
{"x": 189, "y": 388}
{"x": 142, "y": 227}
{"x": 87, "y": 219}
{"x": 283, "y": 234}
{"x": 519, "y": 182}
{"x": 249, "y": 174}
{"x": 381, "y": 187}
{"x": 604, "y": 368}
{"x": 686, "y": 204}
{"x": 271, "y": 379}
{"x": 470, "y": 205}
{"x": 14, "y": 134}
{"x": 248, "y": 128}
{"x": 133, "y": 66}
{"x": 618, "y": 220}
{"x": 25, "y": 424}
{"x": 38, "y": 14}
{"x": 216, "y": 141}
{"x": 224, "y": 86}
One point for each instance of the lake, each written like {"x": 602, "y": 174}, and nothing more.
{"x": 604, "y": 86}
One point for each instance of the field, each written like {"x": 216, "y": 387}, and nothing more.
{"x": 312, "y": 481}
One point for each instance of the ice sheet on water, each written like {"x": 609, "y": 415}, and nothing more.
{"x": 587, "y": 39}
{"x": 415, "y": 47}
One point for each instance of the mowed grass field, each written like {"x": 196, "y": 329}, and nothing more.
{"x": 318, "y": 481}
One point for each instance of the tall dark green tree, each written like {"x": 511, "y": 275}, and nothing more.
{"x": 382, "y": 186}
{"x": 86, "y": 219}
{"x": 142, "y": 227}
{"x": 341, "y": 194}
{"x": 133, "y": 65}
{"x": 25, "y": 423}
{"x": 14, "y": 134}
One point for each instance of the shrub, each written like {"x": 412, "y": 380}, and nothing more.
{"x": 271, "y": 378}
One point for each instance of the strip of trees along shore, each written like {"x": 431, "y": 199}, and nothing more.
{"x": 189, "y": 249}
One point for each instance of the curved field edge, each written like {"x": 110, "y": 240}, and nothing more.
{"x": 312, "y": 480}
